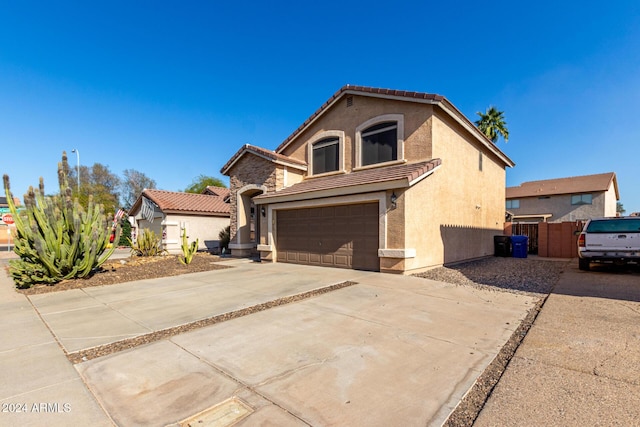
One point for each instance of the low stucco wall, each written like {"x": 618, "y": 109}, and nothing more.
{"x": 204, "y": 228}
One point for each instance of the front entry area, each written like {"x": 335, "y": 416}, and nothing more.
{"x": 344, "y": 236}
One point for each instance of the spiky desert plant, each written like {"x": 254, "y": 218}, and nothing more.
{"x": 55, "y": 237}
{"x": 147, "y": 244}
{"x": 188, "y": 250}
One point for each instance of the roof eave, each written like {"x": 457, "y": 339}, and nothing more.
{"x": 403, "y": 182}
{"x": 339, "y": 191}
{"x": 198, "y": 213}
{"x": 453, "y": 112}
{"x": 337, "y": 97}
{"x": 247, "y": 149}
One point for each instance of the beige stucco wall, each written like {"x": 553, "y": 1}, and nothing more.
{"x": 198, "y": 227}
{"x": 453, "y": 214}
{"x": 610, "y": 201}
{"x": 417, "y": 132}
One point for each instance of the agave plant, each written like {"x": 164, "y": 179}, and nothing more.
{"x": 188, "y": 250}
{"x": 147, "y": 244}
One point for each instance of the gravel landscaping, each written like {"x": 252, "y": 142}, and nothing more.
{"x": 529, "y": 276}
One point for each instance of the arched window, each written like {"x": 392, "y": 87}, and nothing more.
{"x": 380, "y": 140}
{"x": 326, "y": 155}
{"x": 325, "y": 152}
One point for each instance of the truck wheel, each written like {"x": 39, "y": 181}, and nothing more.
{"x": 583, "y": 264}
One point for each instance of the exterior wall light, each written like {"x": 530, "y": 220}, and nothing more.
{"x": 394, "y": 200}
{"x": 263, "y": 211}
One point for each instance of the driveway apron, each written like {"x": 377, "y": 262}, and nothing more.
{"x": 388, "y": 350}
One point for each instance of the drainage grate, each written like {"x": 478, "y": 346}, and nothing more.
{"x": 223, "y": 414}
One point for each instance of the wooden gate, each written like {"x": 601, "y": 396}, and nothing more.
{"x": 531, "y": 231}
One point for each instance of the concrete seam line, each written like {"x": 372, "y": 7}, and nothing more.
{"x": 240, "y": 382}
{"x": 117, "y": 346}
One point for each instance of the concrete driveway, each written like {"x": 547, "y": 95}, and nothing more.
{"x": 579, "y": 365}
{"x": 389, "y": 350}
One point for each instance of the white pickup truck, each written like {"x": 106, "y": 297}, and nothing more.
{"x": 613, "y": 240}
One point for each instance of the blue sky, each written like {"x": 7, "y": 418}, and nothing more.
{"x": 155, "y": 85}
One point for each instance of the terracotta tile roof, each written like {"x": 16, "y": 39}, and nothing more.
{"x": 264, "y": 153}
{"x": 361, "y": 90}
{"x": 217, "y": 191}
{"x": 189, "y": 203}
{"x": 570, "y": 185}
{"x": 396, "y": 176}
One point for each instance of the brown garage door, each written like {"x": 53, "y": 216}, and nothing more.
{"x": 343, "y": 236}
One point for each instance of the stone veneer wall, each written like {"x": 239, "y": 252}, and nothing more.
{"x": 251, "y": 170}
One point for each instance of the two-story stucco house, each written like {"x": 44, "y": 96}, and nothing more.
{"x": 564, "y": 199}
{"x": 375, "y": 179}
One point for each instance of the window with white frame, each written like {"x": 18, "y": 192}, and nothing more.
{"x": 581, "y": 199}
{"x": 380, "y": 140}
{"x": 325, "y": 152}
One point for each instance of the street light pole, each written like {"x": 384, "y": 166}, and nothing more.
{"x": 78, "y": 156}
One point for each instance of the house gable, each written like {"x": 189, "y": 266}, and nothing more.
{"x": 353, "y": 106}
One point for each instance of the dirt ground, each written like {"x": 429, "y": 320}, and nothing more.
{"x": 135, "y": 268}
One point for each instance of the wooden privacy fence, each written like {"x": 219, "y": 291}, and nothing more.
{"x": 529, "y": 230}
{"x": 549, "y": 239}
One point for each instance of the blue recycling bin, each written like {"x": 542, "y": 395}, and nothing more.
{"x": 520, "y": 245}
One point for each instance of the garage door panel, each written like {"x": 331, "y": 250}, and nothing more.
{"x": 314, "y": 258}
{"x": 341, "y": 261}
{"x": 340, "y": 236}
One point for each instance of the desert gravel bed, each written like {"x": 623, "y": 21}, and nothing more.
{"x": 529, "y": 276}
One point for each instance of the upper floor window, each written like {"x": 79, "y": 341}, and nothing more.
{"x": 581, "y": 199}
{"x": 326, "y": 155}
{"x": 380, "y": 143}
{"x": 380, "y": 140}
{"x": 513, "y": 204}
{"x": 325, "y": 152}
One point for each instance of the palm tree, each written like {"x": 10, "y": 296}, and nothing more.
{"x": 492, "y": 124}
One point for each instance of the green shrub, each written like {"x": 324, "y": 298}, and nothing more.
{"x": 125, "y": 237}
{"x": 148, "y": 244}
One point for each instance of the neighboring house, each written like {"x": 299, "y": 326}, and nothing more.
{"x": 375, "y": 179}
{"x": 564, "y": 199}
{"x": 167, "y": 213}
{"x": 223, "y": 193}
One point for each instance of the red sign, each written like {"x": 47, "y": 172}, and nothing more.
{"x": 7, "y": 218}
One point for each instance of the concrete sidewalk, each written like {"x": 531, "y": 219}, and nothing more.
{"x": 38, "y": 385}
{"x": 390, "y": 350}
{"x": 579, "y": 365}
